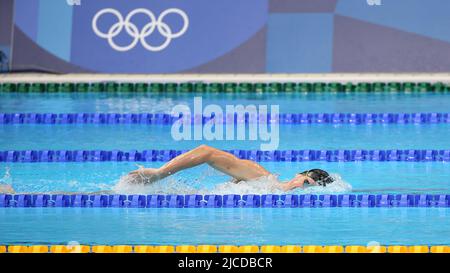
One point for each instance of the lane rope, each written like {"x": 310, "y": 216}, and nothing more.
{"x": 228, "y": 87}
{"x": 225, "y": 201}
{"x": 168, "y": 119}
{"x": 30, "y": 156}
{"x": 205, "y": 248}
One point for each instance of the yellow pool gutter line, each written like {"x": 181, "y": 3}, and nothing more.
{"x": 223, "y": 249}
{"x": 223, "y": 78}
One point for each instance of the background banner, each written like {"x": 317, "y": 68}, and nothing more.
{"x": 225, "y": 36}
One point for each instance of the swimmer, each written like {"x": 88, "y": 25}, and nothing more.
{"x": 238, "y": 169}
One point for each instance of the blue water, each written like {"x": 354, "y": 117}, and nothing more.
{"x": 326, "y": 226}
{"x": 329, "y": 226}
{"x": 144, "y": 137}
{"x": 364, "y": 177}
{"x": 288, "y": 102}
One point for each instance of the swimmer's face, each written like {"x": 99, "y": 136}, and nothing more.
{"x": 303, "y": 181}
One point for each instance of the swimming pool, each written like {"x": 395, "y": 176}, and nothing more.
{"x": 294, "y": 102}
{"x": 395, "y": 154}
{"x": 325, "y": 226}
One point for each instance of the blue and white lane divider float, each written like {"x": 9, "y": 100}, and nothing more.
{"x": 255, "y": 155}
{"x": 225, "y": 201}
{"x": 166, "y": 119}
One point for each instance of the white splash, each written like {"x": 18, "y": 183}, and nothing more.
{"x": 5, "y": 182}
{"x": 165, "y": 186}
{"x": 6, "y": 179}
{"x": 263, "y": 185}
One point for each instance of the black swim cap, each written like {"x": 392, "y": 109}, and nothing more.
{"x": 320, "y": 176}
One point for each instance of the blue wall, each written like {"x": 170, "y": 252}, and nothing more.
{"x": 227, "y": 36}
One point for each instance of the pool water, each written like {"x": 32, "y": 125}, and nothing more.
{"x": 358, "y": 177}
{"x": 113, "y": 102}
{"x": 324, "y": 226}
{"x": 291, "y": 137}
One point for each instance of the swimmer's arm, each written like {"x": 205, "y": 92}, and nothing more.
{"x": 225, "y": 162}
{"x": 288, "y": 186}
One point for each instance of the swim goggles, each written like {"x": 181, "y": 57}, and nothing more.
{"x": 319, "y": 182}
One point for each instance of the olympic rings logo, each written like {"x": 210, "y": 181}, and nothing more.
{"x": 132, "y": 30}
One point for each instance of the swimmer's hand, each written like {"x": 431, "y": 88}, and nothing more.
{"x": 294, "y": 183}
{"x": 6, "y": 189}
{"x": 287, "y": 186}
{"x": 144, "y": 176}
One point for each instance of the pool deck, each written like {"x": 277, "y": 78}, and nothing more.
{"x": 235, "y": 78}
